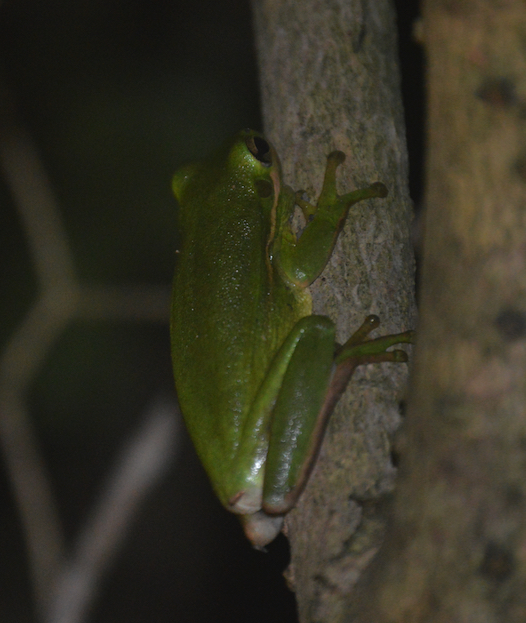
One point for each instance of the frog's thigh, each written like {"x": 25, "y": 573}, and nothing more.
{"x": 295, "y": 414}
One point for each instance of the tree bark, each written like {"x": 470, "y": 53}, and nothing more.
{"x": 456, "y": 549}
{"x": 330, "y": 81}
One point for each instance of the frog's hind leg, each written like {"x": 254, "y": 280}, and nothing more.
{"x": 303, "y": 409}
{"x": 294, "y": 424}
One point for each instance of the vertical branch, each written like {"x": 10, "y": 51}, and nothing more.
{"x": 457, "y": 547}
{"x": 330, "y": 81}
{"x": 26, "y": 350}
{"x": 36, "y": 205}
{"x": 33, "y": 495}
{"x": 60, "y": 298}
{"x": 143, "y": 460}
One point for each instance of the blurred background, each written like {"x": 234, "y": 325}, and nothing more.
{"x": 110, "y": 98}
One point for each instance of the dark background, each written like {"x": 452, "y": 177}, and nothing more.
{"x": 116, "y": 96}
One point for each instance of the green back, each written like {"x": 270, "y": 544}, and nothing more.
{"x": 231, "y": 310}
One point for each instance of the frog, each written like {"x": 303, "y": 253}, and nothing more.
{"x": 257, "y": 374}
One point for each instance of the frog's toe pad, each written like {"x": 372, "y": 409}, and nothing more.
{"x": 261, "y": 528}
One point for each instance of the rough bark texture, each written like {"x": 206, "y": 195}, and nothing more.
{"x": 330, "y": 81}
{"x": 456, "y": 551}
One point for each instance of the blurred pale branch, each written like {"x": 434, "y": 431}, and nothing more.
{"x": 143, "y": 460}
{"x": 62, "y": 298}
{"x": 37, "y": 206}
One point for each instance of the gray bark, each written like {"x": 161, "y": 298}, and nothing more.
{"x": 330, "y": 80}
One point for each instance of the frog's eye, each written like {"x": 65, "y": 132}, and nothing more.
{"x": 260, "y": 149}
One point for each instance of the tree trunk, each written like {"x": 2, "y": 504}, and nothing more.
{"x": 330, "y": 81}
{"x": 456, "y": 550}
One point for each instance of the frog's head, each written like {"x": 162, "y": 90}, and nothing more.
{"x": 256, "y": 159}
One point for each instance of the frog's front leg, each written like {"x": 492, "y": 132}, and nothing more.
{"x": 301, "y": 260}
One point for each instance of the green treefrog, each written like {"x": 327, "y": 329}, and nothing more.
{"x": 256, "y": 373}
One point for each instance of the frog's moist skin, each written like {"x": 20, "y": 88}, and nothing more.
{"x": 256, "y": 373}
